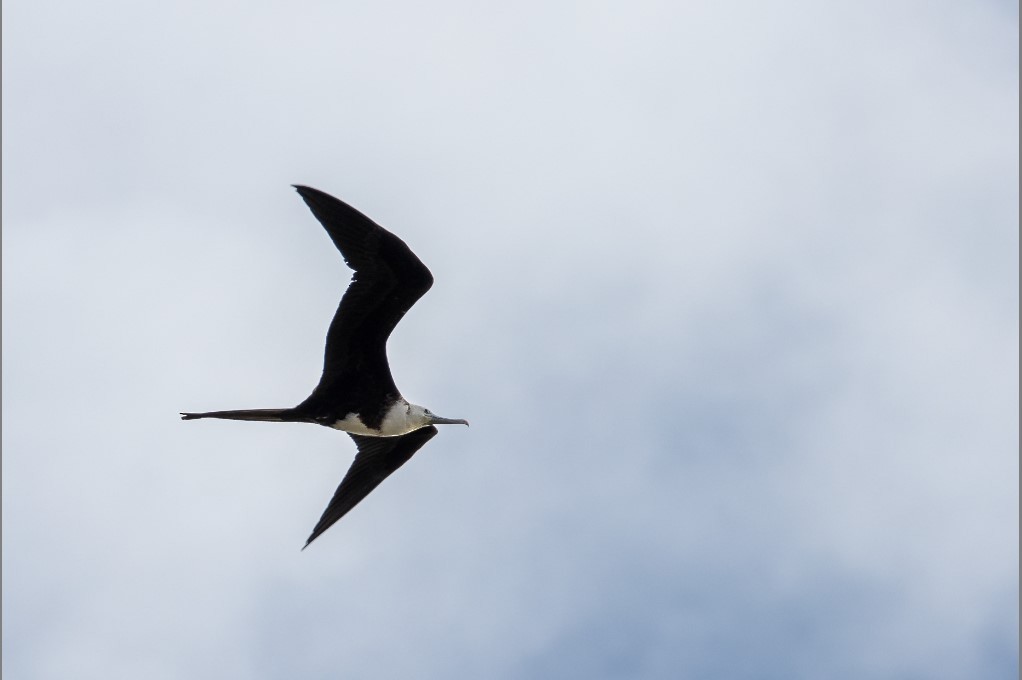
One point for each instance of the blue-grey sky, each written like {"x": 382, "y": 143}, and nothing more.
{"x": 727, "y": 290}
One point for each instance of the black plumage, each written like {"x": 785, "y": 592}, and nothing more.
{"x": 388, "y": 279}
{"x": 377, "y": 458}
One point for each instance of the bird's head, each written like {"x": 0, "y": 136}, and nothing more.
{"x": 427, "y": 417}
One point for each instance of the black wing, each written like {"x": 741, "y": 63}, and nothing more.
{"x": 377, "y": 459}
{"x": 388, "y": 280}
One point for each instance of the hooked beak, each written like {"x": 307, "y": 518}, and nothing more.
{"x": 437, "y": 420}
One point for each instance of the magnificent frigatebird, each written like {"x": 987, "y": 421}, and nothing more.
{"x": 356, "y": 392}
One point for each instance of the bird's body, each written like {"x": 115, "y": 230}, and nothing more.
{"x": 401, "y": 418}
{"x": 356, "y": 392}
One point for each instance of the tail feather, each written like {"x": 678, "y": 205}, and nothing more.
{"x": 277, "y": 415}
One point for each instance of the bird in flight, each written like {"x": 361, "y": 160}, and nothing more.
{"x": 356, "y": 392}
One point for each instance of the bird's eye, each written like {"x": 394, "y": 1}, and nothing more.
{"x": 427, "y": 411}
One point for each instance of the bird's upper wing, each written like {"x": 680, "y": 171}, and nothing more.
{"x": 377, "y": 459}
{"x": 388, "y": 280}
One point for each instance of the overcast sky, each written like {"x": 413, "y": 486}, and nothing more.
{"x": 727, "y": 290}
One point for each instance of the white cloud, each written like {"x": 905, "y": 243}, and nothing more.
{"x": 759, "y": 262}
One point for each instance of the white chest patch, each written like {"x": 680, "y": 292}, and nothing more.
{"x": 395, "y": 423}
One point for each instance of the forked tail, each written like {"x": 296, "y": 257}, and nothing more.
{"x": 278, "y": 415}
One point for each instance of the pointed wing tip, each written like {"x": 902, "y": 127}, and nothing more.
{"x": 316, "y": 533}
{"x": 376, "y": 459}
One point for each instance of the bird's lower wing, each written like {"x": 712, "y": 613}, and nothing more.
{"x": 377, "y": 459}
